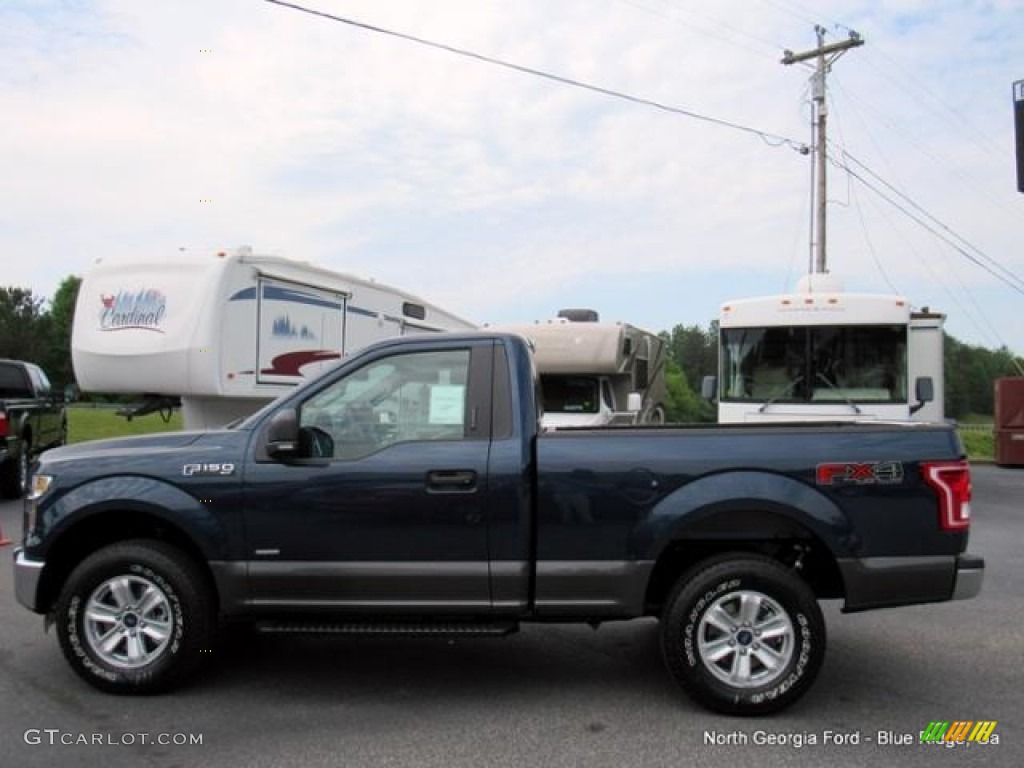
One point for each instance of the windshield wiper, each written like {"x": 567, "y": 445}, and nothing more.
{"x": 785, "y": 390}
{"x": 837, "y": 390}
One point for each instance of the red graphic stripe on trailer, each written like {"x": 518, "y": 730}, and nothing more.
{"x": 289, "y": 364}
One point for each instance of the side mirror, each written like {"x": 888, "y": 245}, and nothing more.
{"x": 634, "y": 402}
{"x": 709, "y": 387}
{"x": 71, "y": 393}
{"x": 283, "y": 434}
{"x": 924, "y": 392}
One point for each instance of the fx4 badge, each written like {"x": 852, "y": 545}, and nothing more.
{"x": 217, "y": 470}
{"x": 860, "y": 473}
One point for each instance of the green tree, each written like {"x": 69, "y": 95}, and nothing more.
{"x": 971, "y": 372}
{"x": 61, "y": 314}
{"x": 694, "y": 350}
{"x": 23, "y": 325}
{"x": 683, "y": 405}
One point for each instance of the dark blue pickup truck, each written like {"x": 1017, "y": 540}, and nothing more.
{"x": 410, "y": 491}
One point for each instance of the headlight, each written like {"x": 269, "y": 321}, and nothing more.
{"x": 40, "y": 485}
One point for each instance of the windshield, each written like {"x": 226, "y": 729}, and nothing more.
{"x": 866, "y": 363}
{"x": 570, "y": 394}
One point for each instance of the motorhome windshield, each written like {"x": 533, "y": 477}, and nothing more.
{"x": 800, "y": 364}
{"x": 570, "y": 394}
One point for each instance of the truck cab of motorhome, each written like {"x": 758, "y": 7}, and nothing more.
{"x": 593, "y": 374}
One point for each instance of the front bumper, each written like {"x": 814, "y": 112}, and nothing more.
{"x": 27, "y": 575}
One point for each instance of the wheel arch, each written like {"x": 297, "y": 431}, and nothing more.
{"x": 747, "y": 512}
{"x": 778, "y": 538}
{"x": 106, "y": 527}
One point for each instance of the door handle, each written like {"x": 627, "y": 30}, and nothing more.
{"x": 451, "y": 480}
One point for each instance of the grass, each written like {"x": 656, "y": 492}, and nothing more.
{"x": 980, "y": 446}
{"x": 99, "y": 423}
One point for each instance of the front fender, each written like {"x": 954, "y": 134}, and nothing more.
{"x": 744, "y": 505}
{"x": 133, "y": 493}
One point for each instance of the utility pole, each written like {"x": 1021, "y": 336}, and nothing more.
{"x": 824, "y": 55}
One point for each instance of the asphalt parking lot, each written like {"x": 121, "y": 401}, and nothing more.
{"x": 549, "y": 696}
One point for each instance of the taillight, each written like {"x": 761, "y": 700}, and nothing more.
{"x": 952, "y": 482}
{"x": 3, "y": 424}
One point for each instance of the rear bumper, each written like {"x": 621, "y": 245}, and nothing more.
{"x": 970, "y": 573}
{"x": 881, "y": 582}
{"x": 27, "y": 575}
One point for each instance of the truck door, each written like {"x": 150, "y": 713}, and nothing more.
{"x": 387, "y": 508}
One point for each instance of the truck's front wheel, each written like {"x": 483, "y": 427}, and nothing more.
{"x": 743, "y": 635}
{"x": 135, "y": 617}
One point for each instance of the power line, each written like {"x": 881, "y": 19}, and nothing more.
{"x": 937, "y": 228}
{"x": 771, "y": 139}
{"x": 908, "y": 82}
{"x": 937, "y": 222}
{"x": 984, "y": 326}
{"x": 856, "y": 201}
{"x": 769, "y": 48}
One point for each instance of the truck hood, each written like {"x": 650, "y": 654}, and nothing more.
{"x": 142, "y": 445}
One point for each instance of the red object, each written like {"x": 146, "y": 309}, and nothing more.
{"x": 952, "y": 482}
{"x": 1009, "y": 397}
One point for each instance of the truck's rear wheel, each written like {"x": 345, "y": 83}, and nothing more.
{"x": 135, "y": 617}
{"x": 743, "y": 635}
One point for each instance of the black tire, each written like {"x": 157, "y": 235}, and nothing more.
{"x": 157, "y": 620}
{"x": 743, "y": 635}
{"x": 14, "y": 473}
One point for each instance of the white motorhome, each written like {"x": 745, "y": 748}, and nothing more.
{"x": 229, "y": 331}
{"x": 823, "y": 354}
{"x": 595, "y": 373}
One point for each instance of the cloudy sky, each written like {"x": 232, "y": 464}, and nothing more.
{"x": 134, "y": 127}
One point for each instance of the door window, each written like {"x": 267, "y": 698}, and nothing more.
{"x": 403, "y": 398}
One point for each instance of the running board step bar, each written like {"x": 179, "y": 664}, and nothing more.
{"x": 393, "y": 628}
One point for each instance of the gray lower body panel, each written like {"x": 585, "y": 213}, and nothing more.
{"x": 461, "y": 588}
{"x": 592, "y": 589}
{"x": 563, "y": 589}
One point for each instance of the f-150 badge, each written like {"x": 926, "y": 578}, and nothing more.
{"x": 860, "y": 473}
{"x": 216, "y": 470}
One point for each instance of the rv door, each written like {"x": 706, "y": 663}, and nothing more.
{"x": 301, "y": 331}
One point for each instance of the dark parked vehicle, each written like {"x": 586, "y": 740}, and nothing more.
{"x": 409, "y": 490}
{"x": 32, "y": 419}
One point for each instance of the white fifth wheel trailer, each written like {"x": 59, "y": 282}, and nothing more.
{"x": 595, "y": 373}
{"x": 823, "y": 354}
{"x": 229, "y": 331}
